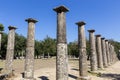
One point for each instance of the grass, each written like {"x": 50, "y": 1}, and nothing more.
{"x": 2, "y": 63}
{"x": 94, "y": 73}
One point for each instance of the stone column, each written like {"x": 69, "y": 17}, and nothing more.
{"x": 104, "y": 53}
{"x": 0, "y": 38}
{"x": 93, "y": 56}
{"x": 62, "y": 57}
{"x": 107, "y": 52}
{"x": 99, "y": 51}
{"x": 110, "y": 50}
{"x": 10, "y": 51}
{"x": 82, "y": 51}
{"x": 29, "y": 61}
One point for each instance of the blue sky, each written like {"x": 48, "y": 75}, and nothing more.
{"x": 101, "y": 15}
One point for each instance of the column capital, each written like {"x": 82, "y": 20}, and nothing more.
{"x": 12, "y": 27}
{"x": 109, "y": 42}
{"x": 102, "y": 38}
{"x": 31, "y": 20}
{"x": 80, "y": 23}
{"x": 106, "y": 40}
{"x": 61, "y": 9}
{"x": 98, "y": 35}
{"x": 91, "y": 30}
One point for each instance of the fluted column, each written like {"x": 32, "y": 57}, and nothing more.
{"x": 10, "y": 51}
{"x": 29, "y": 61}
{"x": 82, "y": 51}
{"x": 62, "y": 55}
{"x": 99, "y": 51}
{"x": 104, "y": 53}
{"x": 93, "y": 56}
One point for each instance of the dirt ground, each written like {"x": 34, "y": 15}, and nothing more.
{"x": 45, "y": 69}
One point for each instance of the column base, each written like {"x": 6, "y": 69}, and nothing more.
{"x": 105, "y": 66}
{"x": 100, "y": 68}
{"x": 83, "y": 78}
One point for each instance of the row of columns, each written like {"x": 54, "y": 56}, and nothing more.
{"x": 103, "y": 50}
{"x": 104, "y": 57}
{"x": 29, "y": 61}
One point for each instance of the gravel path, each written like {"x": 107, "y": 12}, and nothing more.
{"x": 45, "y": 69}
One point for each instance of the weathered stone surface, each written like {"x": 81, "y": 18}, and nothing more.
{"x": 29, "y": 61}
{"x": 110, "y": 52}
{"x": 62, "y": 58}
{"x": 82, "y": 50}
{"x": 107, "y": 52}
{"x": 10, "y": 50}
{"x": 93, "y": 55}
{"x": 99, "y": 51}
{"x": 104, "y": 53}
{"x": 62, "y": 62}
{"x": 61, "y": 24}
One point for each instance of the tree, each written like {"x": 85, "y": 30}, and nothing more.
{"x": 115, "y": 44}
{"x": 38, "y": 48}
{"x": 1, "y": 27}
{"x": 73, "y": 49}
{"x": 4, "y": 46}
{"x": 20, "y": 45}
{"x": 49, "y": 46}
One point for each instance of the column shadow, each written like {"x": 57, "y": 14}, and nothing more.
{"x": 109, "y": 75}
{"x": 43, "y": 78}
{"x": 72, "y": 76}
{"x": 75, "y": 69}
{"x": 3, "y": 77}
{"x": 23, "y": 74}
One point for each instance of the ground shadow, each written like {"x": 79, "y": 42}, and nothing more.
{"x": 109, "y": 75}
{"x": 43, "y": 78}
{"x": 23, "y": 74}
{"x": 3, "y": 77}
{"x": 75, "y": 69}
{"x": 72, "y": 76}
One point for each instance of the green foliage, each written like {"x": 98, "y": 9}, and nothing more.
{"x": 20, "y": 44}
{"x": 73, "y": 49}
{"x": 1, "y": 27}
{"x": 3, "y": 45}
{"x": 49, "y": 46}
{"x": 116, "y": 45}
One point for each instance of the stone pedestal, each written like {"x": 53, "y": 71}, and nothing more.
{"x": 29, "y": 61}
{"x": 83, "y": 67}
{"x": 93, "y": 56}
{"x": 62, "y": 57}
{"x": 10, "y": 51}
